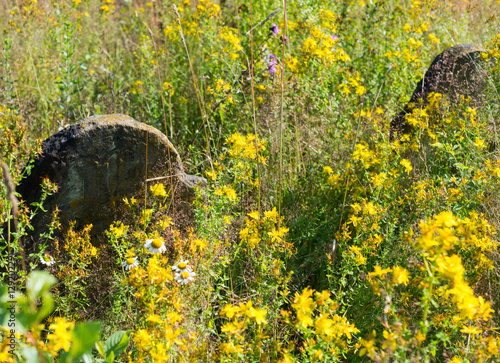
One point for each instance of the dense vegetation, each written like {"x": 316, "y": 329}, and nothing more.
{"x": 317, "y": 238}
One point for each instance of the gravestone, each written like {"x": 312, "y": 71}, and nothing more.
{"x": 456, "y": 72}
{"x": 96, "y": 163}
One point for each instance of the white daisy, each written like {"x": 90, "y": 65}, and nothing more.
{"x": 155, "y": 245}
{"x": 184, "y": 277}
{"x": 182, "y": 266}
{"x": 47, "y": 260}
{"x": 130, "y": 262}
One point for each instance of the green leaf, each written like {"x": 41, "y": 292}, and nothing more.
{"x": 116, "y": 343}
{"x": 30, "y": 354}
{"x": 110, "y": 358}
{"x": 221, "y": 114}
{"x": 38, "y": 283}
{"x": 438, "y": 145}
{"x": 27, "y": 314}
{"x": 100, "y": 349}
{"x": 462, "y": 166}
{"x": 46, "y": 308}
{"x": 87, "y": 358}
{"x": 11, "y": 320}
{"x": 85, "y": 335}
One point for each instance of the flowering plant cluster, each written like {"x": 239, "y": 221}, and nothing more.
{"x": 437, "y": 300}
{"x": 322, "y": 235}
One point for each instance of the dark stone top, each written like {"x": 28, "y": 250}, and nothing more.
{"x": 96, "y": 163}
{"x": 456, "y": 72}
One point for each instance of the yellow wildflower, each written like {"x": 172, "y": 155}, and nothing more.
{"x": 158, "y": 190}
{"x": 407, "y": 165}
{"x": 400, "y": 275}
{"x": 230, "y": 348}
{"x": 254, "y": 215}
{"x": 62, "y": 335}
{"x": 327, "y": 170}
{"x": 259, "y": 315}
{"x": 271, "y": 215}
{"x": 471, "y": 330}
{"x": 368, "y": 348}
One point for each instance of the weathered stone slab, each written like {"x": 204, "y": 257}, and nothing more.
{"x": 456, "y": 72}
{"x": 96, "y": 163}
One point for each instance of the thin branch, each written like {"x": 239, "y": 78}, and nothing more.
{"x": 263, "y": 22}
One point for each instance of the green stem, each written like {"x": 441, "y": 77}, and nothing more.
{"x": 428, "y": 300}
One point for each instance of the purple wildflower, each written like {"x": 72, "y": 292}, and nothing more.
{"x": 272, "y": 64}
{"x": 334, "y": 37}
{"x": 274, "y": 29}
{"x": 284, "y": 39}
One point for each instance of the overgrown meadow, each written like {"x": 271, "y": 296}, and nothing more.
{"x": 317, "y": 238}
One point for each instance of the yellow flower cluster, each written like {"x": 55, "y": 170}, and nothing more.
{"x": 444, "y": 288}
{"x": 146, "y": 215}
{"x": 321, "y": 46}
{"x": 472, "y": 235}
{"x": 208, "y": 9}
{"x": 493, "y": 51}
{"x": 157, "y": 273}
{"x": 118, "y": 230}
{"x": 355, "y": 83}
{"x": 328, "y": 20}
{"x": 171, "y": 32}
{"x": 221, "y": 91}
{"x": 400, "y": 275}
{"x": 78, "y": 246}
{"x": 159, "y": 331}
{"x": 108, "y": 6}
{"x": 61, "y": 336}
{"x": 316, "y": 318}
{"x": 355, "y": 253}
{"x": 234, "y": 41}
{"x": 158, "y": 190}
{"x": 443, "y": 235}
{"x": 363, "y": 153}
{"x": 407, "y": 165}
{"x": 137, "y": 87}
{"x": 168, "y": 88}
{"x": 246, "y": 147}
{"x": 221, "y": 85}
{"x": 242, "y": 317}
{"x": 332, "y": 178}
{"x": 228, "y": 191}
{"x": 493, "y": 168}
{"x": 267, "y": 229}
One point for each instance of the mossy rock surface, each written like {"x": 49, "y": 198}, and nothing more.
{"x": 96, "y": 163}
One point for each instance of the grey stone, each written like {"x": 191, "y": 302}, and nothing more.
{"x": 98, "y": 162}
{"x": 456, "y": 72}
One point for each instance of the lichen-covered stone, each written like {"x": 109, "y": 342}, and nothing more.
{"x": 96, "y": 163}
{"x": 456, "y": 72}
